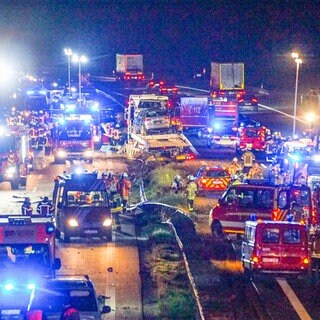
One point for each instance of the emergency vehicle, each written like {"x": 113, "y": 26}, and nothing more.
{"x": 266, "y": 200}
{"x": 16, "y": 158}
{"x": 73, "y": 138}
{"x": 253, "y": 138}
{"x": 215, "y": 179}
{"x": 81, "y": 206}
{"x": 277, "y": 247}
{"x": 27, "y": 245}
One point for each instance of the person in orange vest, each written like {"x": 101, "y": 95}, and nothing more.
{"x": 235, "y": 167}
{"x": 124, "y": 187}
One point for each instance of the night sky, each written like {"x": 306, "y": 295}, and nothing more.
{"x": 177, "y": 38}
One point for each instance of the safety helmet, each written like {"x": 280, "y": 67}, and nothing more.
{"x": 110, "y": 173}
{"x": 104, "y": 174}
{"x": 27, "y": 199}
{"x": 235, "y": 159}
{"x": 124, "y": 175}
{"x": 191, "y": 177}
{"x": 177, "y": 177}
{"x": 45, "y": 199}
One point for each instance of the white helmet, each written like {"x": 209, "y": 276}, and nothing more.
{"x": 191, "y": 177}
{"x": 235, "y": 159}
{"x": 124, "y": 175}
{"x": 177, "y": 177}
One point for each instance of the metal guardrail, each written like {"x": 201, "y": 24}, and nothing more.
{"x": 169, "y": 211}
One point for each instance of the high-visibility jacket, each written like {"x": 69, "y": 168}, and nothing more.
{"x": 191, "y": 190}
{"x": 124, "y": 186}
{"x": 234, "y": 168}
{"x": 248, "y": 158}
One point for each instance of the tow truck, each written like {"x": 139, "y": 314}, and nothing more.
{"x": 81, "y": 206}
{"x": 162, "y": 146}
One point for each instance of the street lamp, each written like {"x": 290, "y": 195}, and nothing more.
{"x": 68, "y": 53}
{"x": 79, "y": 60}
{"x": 298, "y": 61}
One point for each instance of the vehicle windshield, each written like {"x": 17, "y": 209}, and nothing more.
{"x": 156, "y": 113}
{"x": 7, "y": 144}
{"x": 93, "y": 198}
{"x": 216, "y": 174}
{"x": 149, "y": 104}
{"x": 250, "y": 198}
{"x": 52, "y": 299}
{"x": 75, "y": 131}
{"x": 24, "y": 256}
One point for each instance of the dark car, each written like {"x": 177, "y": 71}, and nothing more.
{"x": 248, "y": 102}
{"x": 168, "y": 88}
{"x": 79, "y": 291}
{"x": 155, "y": 84}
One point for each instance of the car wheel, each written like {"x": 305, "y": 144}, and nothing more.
{"x": 216, "y": 230}
{"x": 66, "y": 237}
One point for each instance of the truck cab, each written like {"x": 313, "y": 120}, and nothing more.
{"x": 82, "y": 206}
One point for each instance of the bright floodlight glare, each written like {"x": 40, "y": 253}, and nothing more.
{"x": 78, "y": 170}
{"x": 295, "y": 55}
{"x": 79, "y": 59}
{"x": 68, "y": 52}
{"x": 310, "y": 117}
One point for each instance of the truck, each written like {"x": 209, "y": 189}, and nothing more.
{"x": 227, "y": 76}
{"x": 174, "y": 146}
{"x": 16, "y": 156}
{"x": 129, "y": 67}
{"x": 192, "y": 114}
{"x": 72, "y": 138}
{"x": 27, "y": 246}
{"x": 81, "y": 206}
{"x": 224, "y": 124}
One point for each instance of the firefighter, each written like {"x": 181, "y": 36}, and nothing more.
{"x": 177, "y": 184}
{"x": 255, "y": 172}
{"x": 111, "y": 182}
{"x": 116, "y": 135}
{"x": 45, "y": 207}
{"x": 248, "y": 158}
{"x": 26, "y": 208}
{"x": 235, "y": 167}
{"x": 191, "y": 192}
{"x": 124, "y": 187}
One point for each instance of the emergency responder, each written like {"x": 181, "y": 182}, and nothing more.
{"x": 191, "y": 192}
{"x": 255, "y": 172}
{"x": 115, "y": 199}
{"x": 116, "y": 135}
{"x": 45, "y": 207}
{"x": 235, "y": 167}
{"x": 276, "y": 176}
{"x": 248, "y": 158}
{"x": 177, "y": 184}
{"x": 316, "y": 198}
{"x": 26, "y": 208}
{"x": 124, "y": 187}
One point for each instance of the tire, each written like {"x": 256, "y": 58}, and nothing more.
{"x": 66, "y": 237}
{"x": 15, "y": 184}
{"x": 216, "y": 230}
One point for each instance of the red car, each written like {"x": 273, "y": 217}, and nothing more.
{"x": 214, "y": 178}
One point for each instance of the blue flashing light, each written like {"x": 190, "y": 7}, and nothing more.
{"x": 95, "y": 107}
{"x": 70, "y": 107}
{"x": 217, "y": 125}
{"x": 253, "y": 217}
{"x": 61, "y": 121}
{"x": 8, "y": 286}
{"x": 290, "y": 217}
{"x": 31, "y": 286}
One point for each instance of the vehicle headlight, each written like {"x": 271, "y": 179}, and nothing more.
{"x": 61, "y": 154}
{"x": 107, "y": 222}
{"x": 88, "y": 154}
{"x": 8, "y": 287}
{"x": 73, "y": 223}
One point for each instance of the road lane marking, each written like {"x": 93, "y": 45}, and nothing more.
{"x": 295, "y": 302}
{"x": 110, "y": 282}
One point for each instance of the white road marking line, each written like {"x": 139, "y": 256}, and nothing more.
{"x": 110, "y": 282}
{"x": 296, "y": 303}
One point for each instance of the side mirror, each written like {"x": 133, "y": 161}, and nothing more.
{"x": 57, "y": 264}
{"x": 106, "y": 309}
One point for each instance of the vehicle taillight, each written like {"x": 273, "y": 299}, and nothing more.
{"x": 305, "y": 260}
{"x": 190, "y": 156}
{"x": 175, "y": 90}
{"x": 164, "y": 90}
{"x": 169, "y": 104}
{"x": 240, "y": 100}
{"x": 161, "y": 83}
{"x": 255, "y": 258}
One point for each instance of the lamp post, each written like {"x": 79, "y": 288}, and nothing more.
{"x": 68, "y": 53}
{"x": 79, "y": 60}
{"x": 298, "y": 61}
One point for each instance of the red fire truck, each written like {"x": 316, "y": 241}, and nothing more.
{"x": 16, "y": 158}
{"x": 27, "y": 244}
{"x": 266, "y": 200}
{"x": 73, "y": 138}
{"x": 253, "y": 138}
